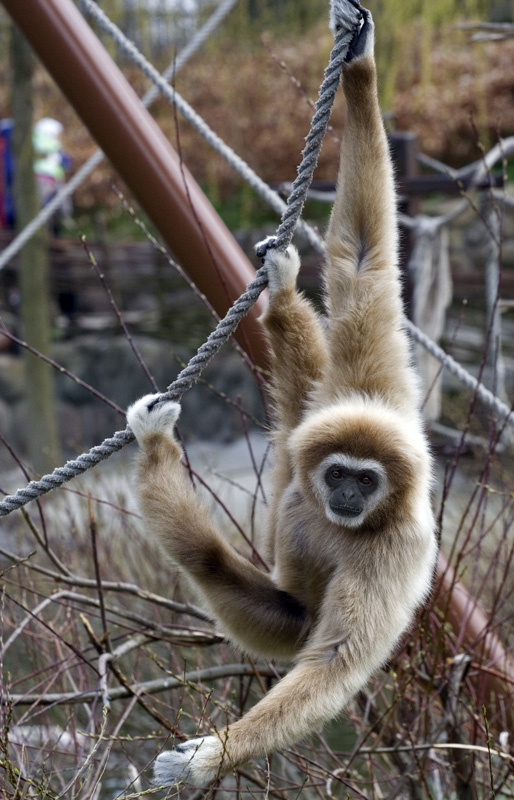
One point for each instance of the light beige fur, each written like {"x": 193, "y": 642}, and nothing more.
{"x": 341, "y": 594}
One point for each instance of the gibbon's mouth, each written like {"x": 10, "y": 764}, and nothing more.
{"x": 345, "y": 511}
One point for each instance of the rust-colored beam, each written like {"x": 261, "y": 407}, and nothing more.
{"x": 472, "y": 629}
{"x": 141, "y": 155}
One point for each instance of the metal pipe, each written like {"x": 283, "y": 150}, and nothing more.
{"x": 142, "y": 156}
{"x": 472, "y": 630}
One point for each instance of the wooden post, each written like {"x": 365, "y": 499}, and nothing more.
{"x": 41, "y": 434}
{"x": 404, "y": 150}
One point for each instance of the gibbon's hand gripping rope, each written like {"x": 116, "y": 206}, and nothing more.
{"x": 229, "y": 323}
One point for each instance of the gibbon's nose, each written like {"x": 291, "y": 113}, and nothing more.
{"x": 349, "y": 496}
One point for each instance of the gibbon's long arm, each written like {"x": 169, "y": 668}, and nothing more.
{"x": 330, "y": 670}
{"x": 253, "y": 612}
{"x": 363, "y": 226}
{"x": 299, "y": 357}
{"x": 366, "y": 342}
{"x": 303, "y": 700}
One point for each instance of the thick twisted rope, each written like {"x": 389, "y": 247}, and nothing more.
{"x": 183, "y": 382}
{"x": 229, "y": 323}
{"x": 259, "y": 186}
{"x": 292, "y": 210}
{"x": 93, "y": 161}
{"x": 504, "y": 414}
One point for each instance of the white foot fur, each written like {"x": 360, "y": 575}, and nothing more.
{"x": 283, "y": 268}
{"x": 145, "y": 418}
{"x": 195, "y": 762}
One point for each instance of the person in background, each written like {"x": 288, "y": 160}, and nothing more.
{"x": 51, "y": 165}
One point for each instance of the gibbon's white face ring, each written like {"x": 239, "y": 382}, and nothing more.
{"x": 322, "y": 490}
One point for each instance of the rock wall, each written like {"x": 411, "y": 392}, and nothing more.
{"x": 108, "y": 364}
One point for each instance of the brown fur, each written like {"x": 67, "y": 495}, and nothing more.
{"x": 340, "y": 596}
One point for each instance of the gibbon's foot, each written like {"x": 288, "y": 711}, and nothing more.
{"x": 345, "y": 15}
{"x": 146, "y": 417}
{"x": 196, "y": 762}
{"x": 363, "y": 42}
{"x": 283, "y": 268}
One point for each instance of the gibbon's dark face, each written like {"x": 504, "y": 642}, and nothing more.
{"x": 351, "y": 490}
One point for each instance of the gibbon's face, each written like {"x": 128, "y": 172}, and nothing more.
{"x": 359, "y": 462}
{"x": 350, "y": 488}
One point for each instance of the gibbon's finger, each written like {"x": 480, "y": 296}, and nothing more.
{"x": 345, "y": 15}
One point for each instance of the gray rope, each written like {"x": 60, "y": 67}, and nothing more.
{"x": 229, "y": 323}
{"x": 290, "y": 218}
{"x": 235, "y": 162}
{"x": 274, "y": 200}
{"x": 93, "y": 161}
{"x": 505, "y": 414}
{"x": 310, "y": 154}
{"x": 183, "y": 382}
{"x": 292, "y": 210}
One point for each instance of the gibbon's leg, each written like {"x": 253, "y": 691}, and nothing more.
{"x": 255, "y": 614}
{"x": 368, "y": 348}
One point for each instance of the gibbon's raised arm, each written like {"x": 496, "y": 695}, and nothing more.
{"x": 362, "y": 240}
{"x": 350, "y": 531}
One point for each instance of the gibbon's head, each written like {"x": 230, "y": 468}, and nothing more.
{"x": 362, "y": 463}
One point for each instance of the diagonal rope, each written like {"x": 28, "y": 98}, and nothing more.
{"x": 229, "y": 323}
{"x": 504, "y": 412}
{"x": 170, "y": 93}
{"x": 290, "y": 218}
{"x": 94, "y": 160}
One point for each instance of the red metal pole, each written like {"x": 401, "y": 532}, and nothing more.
{"x": 141, "y": 154}
{"x": 472, "y": 629}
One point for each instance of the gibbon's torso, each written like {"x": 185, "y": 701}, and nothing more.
{"x": 301, "y": 566}
{"x": 310, "y": 560}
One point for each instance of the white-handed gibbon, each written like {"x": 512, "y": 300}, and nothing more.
{"x": 351, "y": 531}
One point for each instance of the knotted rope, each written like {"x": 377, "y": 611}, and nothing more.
{"x": 229, "y": 323}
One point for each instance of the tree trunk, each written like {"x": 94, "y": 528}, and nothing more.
{"x": 41, "y": 426}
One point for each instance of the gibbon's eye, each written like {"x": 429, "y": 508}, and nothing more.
{"x": 366, "y": 479}
{"x": 336, "y": 473}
